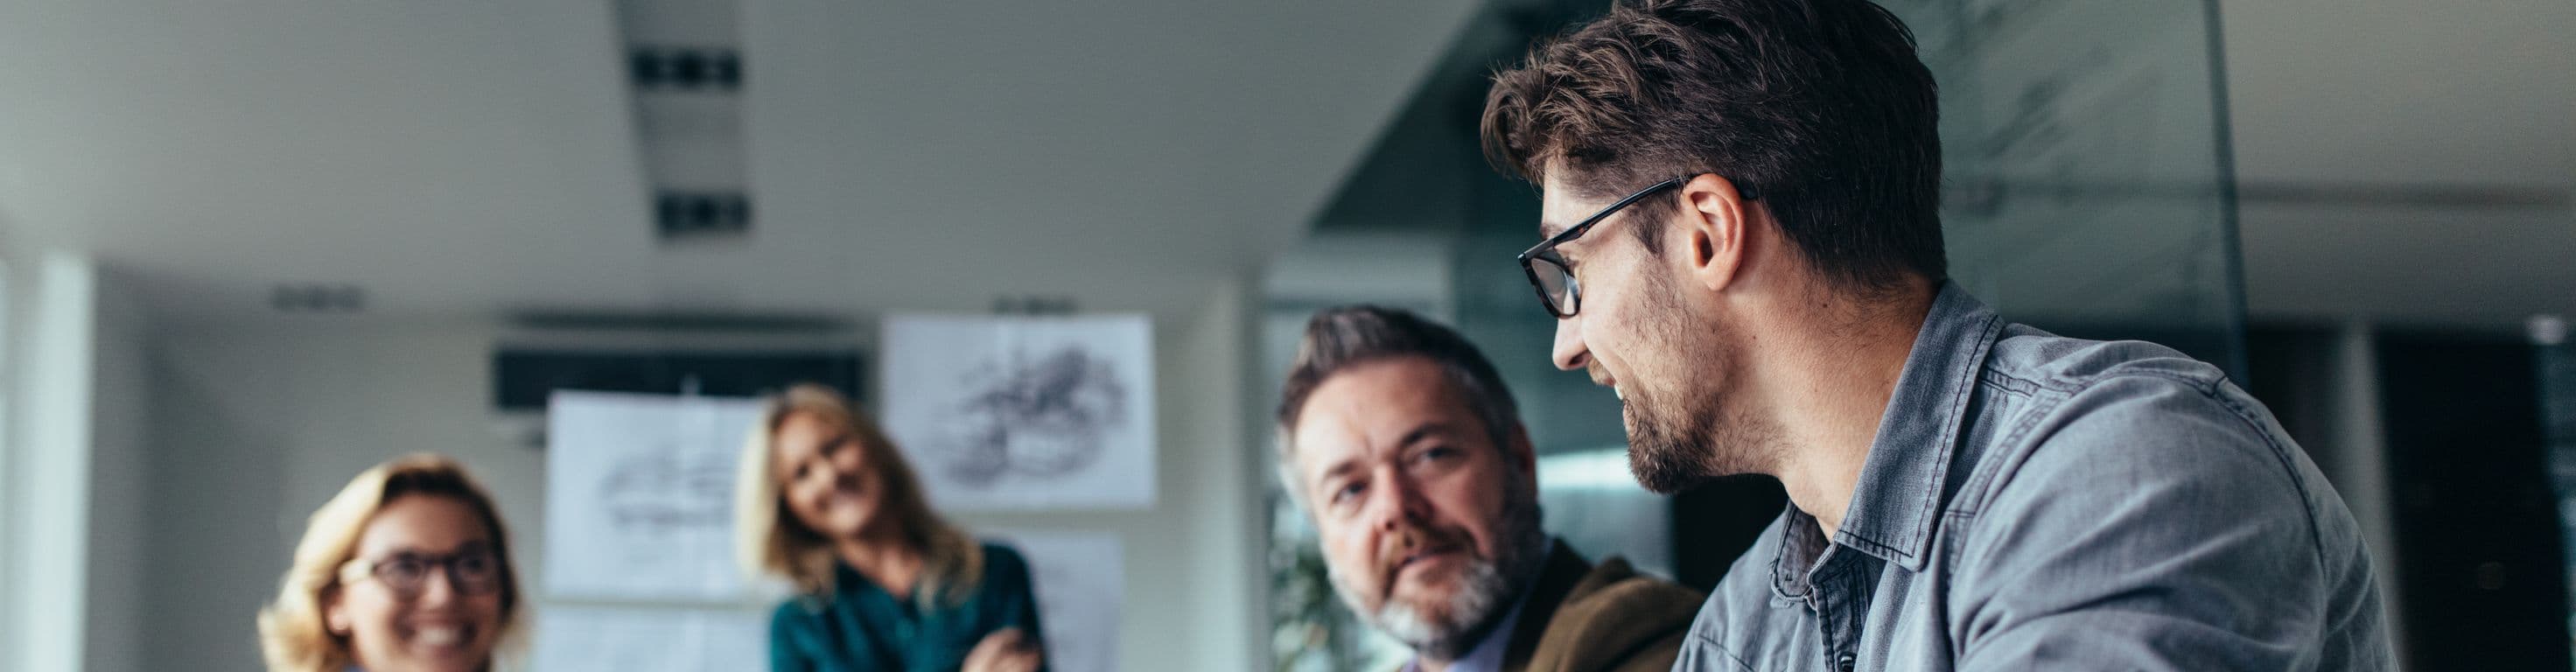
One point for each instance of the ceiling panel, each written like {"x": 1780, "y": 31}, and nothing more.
{"x": 474, "y": 157}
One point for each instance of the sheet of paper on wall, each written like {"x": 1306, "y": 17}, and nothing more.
{"x": 1005, "y": 413}
{"x": 1081, "y": 580}
{"x": 639, "y": 496}
{"x": 590, "y": 639}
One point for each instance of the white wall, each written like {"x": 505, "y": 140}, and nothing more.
{"x": 255, "y": 425}
{"x": 119, "y": 468}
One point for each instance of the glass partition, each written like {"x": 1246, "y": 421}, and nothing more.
{"x": 2085, "y": 144}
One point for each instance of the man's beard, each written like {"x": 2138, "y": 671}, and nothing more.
{"x": 1681, "y": 437}
{"x": 1667, "y": 455}
{"x": 1486, "y": 587}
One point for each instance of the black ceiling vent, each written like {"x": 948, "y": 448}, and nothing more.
{"x": 686, "y": 68}
{"x": 695, "y": 215}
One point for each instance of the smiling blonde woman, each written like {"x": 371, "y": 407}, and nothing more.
{"x": 408, "y": 568}
{"x": 827, "y": 503}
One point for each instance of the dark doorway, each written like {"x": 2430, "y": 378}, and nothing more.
{"x": 2480, "y": 582}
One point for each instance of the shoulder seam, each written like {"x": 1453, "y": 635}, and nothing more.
{"x": 2209, "y": 388}
{"x": 2009, "y": 382}
{"x": 1987, "y": 476}
{"x": 2288, "y": 469}
{"x": 2207, "y": 385}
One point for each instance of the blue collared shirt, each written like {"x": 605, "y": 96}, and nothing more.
{"x": 2039, "y": 502}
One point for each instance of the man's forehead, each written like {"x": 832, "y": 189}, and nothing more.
{"x": 1365, "y": 412}
{"x": 1328, "y": 435}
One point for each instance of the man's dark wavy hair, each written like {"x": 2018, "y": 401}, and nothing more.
{"x": 1820, "y": 107}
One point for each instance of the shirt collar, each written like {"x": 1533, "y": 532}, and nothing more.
{"x": 1897, "y": 499}
{"x": 1801, "y": 549}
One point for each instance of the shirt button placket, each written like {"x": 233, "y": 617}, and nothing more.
{"x": 1837, "y": 618}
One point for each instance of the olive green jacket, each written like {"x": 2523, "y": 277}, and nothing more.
{"x": 1608, "y": 617}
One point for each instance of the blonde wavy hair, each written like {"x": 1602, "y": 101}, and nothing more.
{"x": 770, "y": 541}
{"x": 292, "y": 636}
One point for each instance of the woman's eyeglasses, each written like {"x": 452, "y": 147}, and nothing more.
{"x": 472, "y": 571}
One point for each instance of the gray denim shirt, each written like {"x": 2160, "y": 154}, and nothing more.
{"x": 2036, "y": 502}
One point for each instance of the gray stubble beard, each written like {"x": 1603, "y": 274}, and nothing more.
{"x": 1488, "y": 587}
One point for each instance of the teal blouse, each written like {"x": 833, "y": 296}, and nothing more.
{"x": 862, "y": 628}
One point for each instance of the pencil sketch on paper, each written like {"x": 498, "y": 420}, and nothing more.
{"x": 1044, "y": 416}
{"x": 639, "y": 496}
{"x": 1023, "y": 412}
{"x": 668, "y": 492}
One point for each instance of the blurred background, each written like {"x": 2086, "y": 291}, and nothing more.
{"x": 253, "y": 247}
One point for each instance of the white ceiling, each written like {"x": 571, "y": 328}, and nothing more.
{"x": 2345, "y": 111}
{"x": 475, "y": 157}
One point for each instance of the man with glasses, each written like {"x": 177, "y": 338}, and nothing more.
{"x": 1399, "y": 441}
{"x": 1741, "y": 240}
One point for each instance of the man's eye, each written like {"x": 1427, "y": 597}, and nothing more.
{"x": 1348, "y": 491}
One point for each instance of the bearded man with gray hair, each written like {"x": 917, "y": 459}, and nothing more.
{"x": 1399, "y": 441}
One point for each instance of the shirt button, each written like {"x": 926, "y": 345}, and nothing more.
{"x": 1844, "y": 662}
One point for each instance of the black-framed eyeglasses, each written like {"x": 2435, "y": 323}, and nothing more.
{"x": 1548, "y": 271}
{"x": 475, "y": 570}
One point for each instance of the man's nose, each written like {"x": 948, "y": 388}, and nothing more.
{"x": 1569, "y": 351}
{"x": 1399, "y": 505}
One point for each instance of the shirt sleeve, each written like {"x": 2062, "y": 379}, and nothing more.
{"x": 785, "y": 654}
{"x": 1015, "y": 597}
{"x": 2152, "y": 525}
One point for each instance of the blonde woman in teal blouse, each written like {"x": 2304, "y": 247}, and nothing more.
{"x": 883, "y": 584}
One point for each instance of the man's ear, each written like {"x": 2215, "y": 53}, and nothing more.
{"x": 1713, "y": 225}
